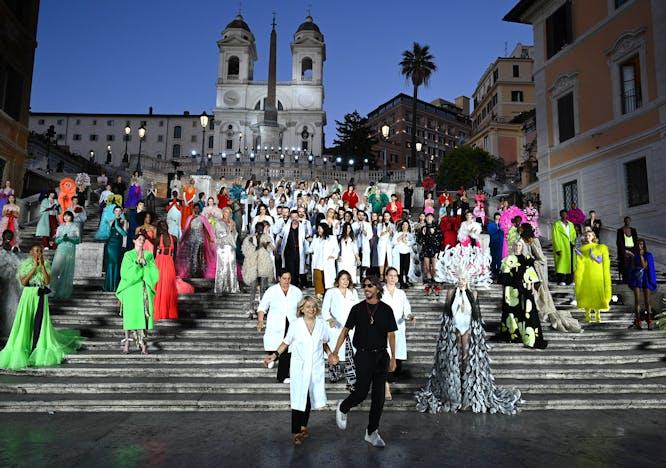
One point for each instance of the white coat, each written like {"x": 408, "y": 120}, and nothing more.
{"x": 402, "y": 311}
{"x": 385, "y": 244}
{"x": 347, "y": 258}
{"x": 307, "y": 369}
{"x": 322, "y": 250}
{"x": 302, "y": 244}
{"x": 403, "y": 242}
{"x": 279, "y": 307}
{"x": 337, "y": 307}
{"x": 363, "y": 233}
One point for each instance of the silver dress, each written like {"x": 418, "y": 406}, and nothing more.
{"x": 226, "y": 279}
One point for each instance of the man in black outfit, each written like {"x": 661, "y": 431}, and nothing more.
{"x": 407, "y": 200}
{"x": 374, "y": 323}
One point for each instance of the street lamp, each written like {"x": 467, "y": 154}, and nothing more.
{"x": 91, "y": 158}
{"x": 224, "y": 158}
{"x": 203, "y": 119}
{"x": 127, "y": 133}
{"x": 142, "y": 135}
{"x": 109, "y": 157}
{"x": 385, "y": 133}
{"x": 419, "y": 147}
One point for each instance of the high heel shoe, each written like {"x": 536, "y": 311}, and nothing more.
{"x": 588, "y": 318}
{"x": 597, "y": 316}
{"x": 637, "y": 324}
{"x": 125, "y": 346}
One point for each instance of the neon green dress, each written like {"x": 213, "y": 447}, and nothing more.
{"x": 24, "y": 347}
{"x": 136, "y": 291}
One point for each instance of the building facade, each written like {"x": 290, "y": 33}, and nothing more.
{"x": 441, "y": 126}
{"x": 504, "y": 91}
{"x": 18, "y": 30}
{"x": 233, "y": 131}
{"x": 600, "y": 78}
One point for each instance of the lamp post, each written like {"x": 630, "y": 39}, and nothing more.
{"x": 109, "y": 156}
{"x": 142, "y": 135}
{"x": 127, "y": 133}
{"x": 385, "y": 133}
{"x": 419, "y": 147}
{"x": 203, "y": 119}
{"x": 91, "y": 156}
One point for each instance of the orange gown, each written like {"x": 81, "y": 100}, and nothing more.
{"x": 166, "y": 293}
{"x": 186, "y": 210}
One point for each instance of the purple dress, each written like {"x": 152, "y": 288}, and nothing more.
{"x": 4, "y": 197}
{"x": 133, "y": 196}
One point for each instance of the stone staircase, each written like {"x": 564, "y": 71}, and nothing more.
{"x": 210, "y": 360}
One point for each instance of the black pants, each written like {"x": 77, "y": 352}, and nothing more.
{"x": 285, "y": 359}
{"x": 300, "y": 418}
{"x": 404, "y": 268}
{"x": 371, "y": 369}
{"x": 292, "y": 265}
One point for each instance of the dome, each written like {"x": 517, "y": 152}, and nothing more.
{"x": 238, "y": 23}
{"x": 309, "y": 25}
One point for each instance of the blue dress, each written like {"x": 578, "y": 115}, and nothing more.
{"x": 104, "y": 229}
{"x": 496, "y": 244}
{"x": 113, "y": 256}
{"x": 643, "y": 278}
{"x": 62, "y": 271}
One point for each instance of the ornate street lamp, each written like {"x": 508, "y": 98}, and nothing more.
{"x": 127, "y": 133}
{"x": 109, "y": 156}
{"x": 142, "y": 135}
{"x": 91, "y": 156}
{"x": 385, "y": 133}
{"x": 203, "y": 119}
{"x": 419, "y": 147}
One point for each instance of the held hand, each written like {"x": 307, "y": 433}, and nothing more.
{"x": 412, "y": 319}
{"x": 333, "y": 359}
{"x": 260, "y": 325}
{"x": 331, "y": 322}
{"x": 268, "y": 359}
{"x": 392, "y": 365}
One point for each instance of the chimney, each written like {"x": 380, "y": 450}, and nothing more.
{"x": 186, "y": 113}
{"x": 150, "y": 110}
{"x": 463, "y": 103}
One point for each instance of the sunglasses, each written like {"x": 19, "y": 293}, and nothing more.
{"x": 368, "y": 285}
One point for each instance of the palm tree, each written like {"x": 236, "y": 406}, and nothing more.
{"x": 417, "y": 65}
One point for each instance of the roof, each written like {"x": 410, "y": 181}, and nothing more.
{"x": 516, "y": 13}
{"x": 308, "y": 25}
{"x": 452, "y": 111}
{"x": 238, "y": 23}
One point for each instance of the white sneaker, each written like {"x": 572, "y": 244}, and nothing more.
{"x": 287, "y": 380}
{"x": 375, "y": 439}
{"x": 340, "y": 417}
{"x": 562, "y": 283}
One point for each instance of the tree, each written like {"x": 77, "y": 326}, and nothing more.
{"x": 354, "y": 140}
{"x": 417, "y": 65}
{"x": 465, "y": 165}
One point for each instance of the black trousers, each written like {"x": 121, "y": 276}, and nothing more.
{"x": 292, "y": 265}
{"x": 285, "y": 359}
{"x": 371, "y": 369}
{"x": 404, "y": 268}
{"x": 300, "y": 418}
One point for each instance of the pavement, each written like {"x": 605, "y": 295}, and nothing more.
{"x": 252, "y": 439}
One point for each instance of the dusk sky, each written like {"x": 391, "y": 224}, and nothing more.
{"x": 123, "y": 56}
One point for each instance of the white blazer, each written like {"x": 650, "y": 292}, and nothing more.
{"x": 322, "y": 250}
{"x": 337, "y": 307}
{"x": 279, "y": 307}
{"x": 402, "y": 311}
{"x": 363, "y": 233}
{"x": 308, "y": 366}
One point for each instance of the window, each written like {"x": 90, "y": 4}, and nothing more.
{"x": 495, "y": 75}
{"x": 144, "y": 123}
{"x": 559, "y": 30}
{"x": 177, "y": 131}
{"x": 516, "y": 71}
{"x": 40, "y": 121}
{"x": 193, "y": 138}
{"x": 630, "y": 82}
{"x": 60, "y": 136}
{"x": 486, "y": 143}
{"x": 636, "y": 181}
{"x": 161, "y": 124}
{"x": 78, "y": 121}
{"x": 233, "y": 67}
{"x": 565, "y": 117}
{"x": 195, "y": 123}
{"x": 306, "y": 69}
{"x": 110, "y": 138}
{"x": 60, "y": 121}
{"x": 516, "y": 96}
{"x": 304, "y": 145}
{"x": 76, "y": 137}
{"x": 11, "y": 91}
{"x": 230, "y": 144}
{"x": 109, "y": 123}
{"x": 94, "y": 122}
{"x": 93, "y": 137}
{"x": 211, "y": 125}
{"x": 211, "y": 139}
{"x": 160, "y": 138}
{"x": 570, "y": 194}
{"x": 175, "y": 151}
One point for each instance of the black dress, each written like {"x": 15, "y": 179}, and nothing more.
{"x": 520, "y": 316}
{"x": 430, "y": 238}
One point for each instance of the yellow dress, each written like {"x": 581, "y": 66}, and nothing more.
{"x": 592, "y": 277}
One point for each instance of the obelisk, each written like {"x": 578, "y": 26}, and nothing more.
{"x": 269, "y": 130}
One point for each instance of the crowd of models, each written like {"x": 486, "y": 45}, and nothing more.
{"x": 249, "y": 235}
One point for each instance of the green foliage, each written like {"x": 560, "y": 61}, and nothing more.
{"x": 464, "y": 165}
{"x": 354, "y": 139}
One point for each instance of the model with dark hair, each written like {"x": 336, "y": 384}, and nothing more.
{"x": 643, "y": 281}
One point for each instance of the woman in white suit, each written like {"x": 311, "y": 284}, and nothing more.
{"x": 338, "y": 301}
{"x": 325, "y": 250}
{"x": 385, "y": 231}
{"x": 402, "y": 311}
{"x": 349, "y": 258}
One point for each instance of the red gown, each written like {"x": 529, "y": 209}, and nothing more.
{"x": 396, "y": 211}
{"x": 449, "y": 231}
{"x": 222, "y": 201}
{"x": 186, "y": 209}
{"x": 166, "y": 292}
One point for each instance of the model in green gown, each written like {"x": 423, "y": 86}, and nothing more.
{"x": 62, "y": 277}
{"x": 33, "y": 341}
{"x": 136, "y": 293}
{"x": 113, "y": 250}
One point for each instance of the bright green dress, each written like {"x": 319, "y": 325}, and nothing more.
{"x": 592, "y": 277}
{"x": 563, "y": 238}
{"x": 62, "y": 277}
{"x": 52, "y": 345}
{"x": 136, "y": 291}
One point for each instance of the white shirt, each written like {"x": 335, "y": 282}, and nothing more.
{"x": 280, "y": 306}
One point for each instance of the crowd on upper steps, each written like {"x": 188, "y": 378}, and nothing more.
{"x": 249, "y": 234}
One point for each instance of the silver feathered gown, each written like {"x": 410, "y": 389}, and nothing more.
{"x": 450, "y": 389}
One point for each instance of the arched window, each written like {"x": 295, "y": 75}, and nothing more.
{"x": 177, "y": 131}
{"x": 261, "y": 105}
{"x": 306, "y": 69}
{"x": 175, "y": 152}
{"x": 233, "y": 68}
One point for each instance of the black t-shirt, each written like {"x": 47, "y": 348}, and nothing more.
{"x": 372, "y": 336}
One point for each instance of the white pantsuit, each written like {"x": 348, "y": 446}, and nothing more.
{"x": 280, "y": 306}
{"x": 402, "y": 311}
{"x": 363, "y": 234}
{"x": 337, "y": 307}
{"x": 347, "y": 258}
{"x": 385, "y": 244}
